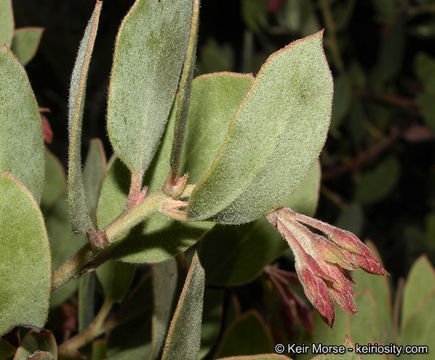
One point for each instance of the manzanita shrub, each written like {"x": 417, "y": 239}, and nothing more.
{"x": 192, "y": 157}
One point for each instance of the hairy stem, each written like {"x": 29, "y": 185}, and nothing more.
{"x": 94, "y": 329}
{"x": 87, "y": 259}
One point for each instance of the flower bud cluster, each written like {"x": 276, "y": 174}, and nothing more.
{"x": 323, "y": 260}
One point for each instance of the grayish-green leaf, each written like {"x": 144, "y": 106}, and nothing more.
{"x": 6, "y": 22}
{"x": 93, "y": 174}
{"x": 150, "y": 50}
{"x": 247, "y": 335}
{"x": 184, "y": 335}
{"x": 374, "y": 185}
{"x": 233, "y": 256}
{"x": 275, "y": 136}
{"x": 21, "y": 141}
{"x": 41, "y": 355}
{"x": 164, "y": 281}
{"x": 86, "y": 300}
{"x": 25, "y": 43}
{"x": 211, "y": 320}
{"x": 183, "y": 97}
{"x": 25, "y": 266}
{"x": 34, "y": 342}
{"x": 76, "y": 192}
{"x": 214, "y": 101}
{"x": 55, "y": 180}
{"x": 116, "y": 278}
{"x": 420, "y": 282}
{"x": 64, "y": 244}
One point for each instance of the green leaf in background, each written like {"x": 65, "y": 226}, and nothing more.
{"x": 274, "y": 138}
{"x": 79, "y": 215}
{"x": 214, "y": 57}
{"x": 131, "y": 340}
{"x": 341, "y": 103}
{"x": 6, "y": 22}
{"x": 164, "y": 283}
{"x": 25, "y": 266}
{"x": 424, "y": 67}
{"x": 257, "y": 357}
{"x": 184, "y": 335}
{"x": 357, "y": 121}
{"x": 390, "y": 58}
{"x": 380, "y": 290}
{"x": 21, "y": 141}
{"x": 115, "y": 278}
{"x": 149, "y": 53}
{"x": 6, "y": 350}
{"x": 420, "y": 283}
{"x": 419, "y": 329}
{"x": 254, "y": 13}
{"x": 427, "y": 107}
{"x": 86, "y": 301}
{"x": 99, "y": 349}
{"x": 232, "y": 256}
{"x": 93, "y": 174}
{"x": 352, "y": 219}
{"x": 361, "y": 327}
{"x": 55, "y": 180}
{"x": 26, "y": 42}
{"x": 247, "y": 335}
{"x": 34, "y": 342}
{"x": 64, "y": 244}
{"x": 376, "y": 184}
{"x": 214, "y": 99}
{"x": 211, "y": 320}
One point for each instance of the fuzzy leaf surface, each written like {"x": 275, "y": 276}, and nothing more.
{"x": 234, "y": 256}
{"x": 93, "y": 174}
{"x": 64, "y": 243}
{"x": 164, "y": 283}
{"x": 184, "y": 335}
{"x": 25, "y": 43}
{"x": 21, "y": 141}
{"x": 77, "y": 94}
{"x": 275, "y": 136}
{"x": 25, "y": 264}
{"x": 214, "y": 101}
{"x": 149, "y": 53}
{"x": 6, "y": 22}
